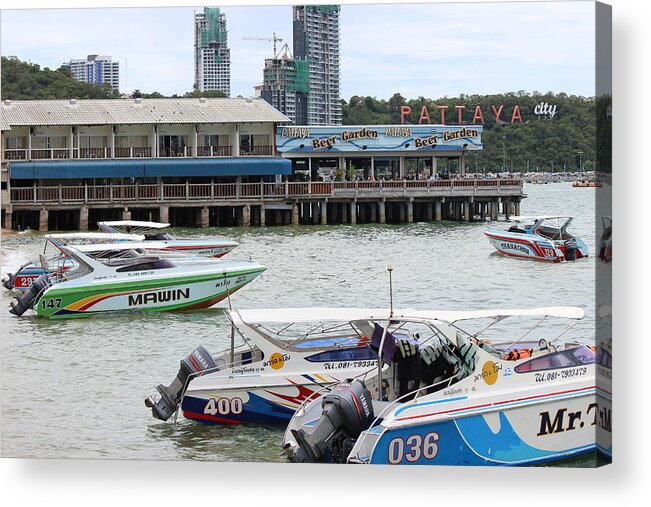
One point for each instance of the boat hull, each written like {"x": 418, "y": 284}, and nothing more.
{"x": 263, "y": 405}
{"x": 24, "y": 279}
{"x": 195, "y": 247}
{"x": 556, "y": 427}
{"x": 160, "y": 294}
{"x": 530, "y": 246}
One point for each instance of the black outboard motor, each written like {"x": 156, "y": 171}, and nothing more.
{"x": 347, "y": 411}
{"x": 9, "y": 282}
{"x": 198, "y": 361}
{"x": 570, "y": 249}
{"x": 25, "y": 301}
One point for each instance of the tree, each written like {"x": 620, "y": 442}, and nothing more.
{"x": 209, "y": 94}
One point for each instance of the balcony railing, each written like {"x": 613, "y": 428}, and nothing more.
{"x": 92, "y": 153}
{"x": 203, "y": 192}
{"x": 181, "y": 151}
{"x": 133, "y": 152}
{"x": 50, "y": 153}
{"x": 214, "y": 151}
{"x": 15, "y": 154}
{"x": 256, "y": 151}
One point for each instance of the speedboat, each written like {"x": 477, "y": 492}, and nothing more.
{"x": 116, "y": 277}
{"x": 586, "y": 183}
{"x": 277, "y": 358}
{"x": 454, "y": 390}
{"x": 164, "y": 241}
{"x": 539, "y": 237}
{"x": 57, "y": 260}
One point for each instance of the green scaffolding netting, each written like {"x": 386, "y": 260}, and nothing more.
{"x": 291, "y": 74}
{"x": 212, "y": 32}
{"x": 326, "y": 9}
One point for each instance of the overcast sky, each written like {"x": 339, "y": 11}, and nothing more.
{"x": 416, "y": 49}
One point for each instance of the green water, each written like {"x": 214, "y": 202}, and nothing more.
{"x": 75, "y": 389}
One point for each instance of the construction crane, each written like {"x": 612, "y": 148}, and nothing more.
{"x": 273, "y": 39}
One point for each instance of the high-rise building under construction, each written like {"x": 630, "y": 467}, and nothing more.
{"x": 286, "y": 85}
{"x": 316, "y": 42}
{"x": 212, "y": 57}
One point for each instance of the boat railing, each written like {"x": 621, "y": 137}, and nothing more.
{"x": 207, "y": 371}
{"x": 416, "y": 393}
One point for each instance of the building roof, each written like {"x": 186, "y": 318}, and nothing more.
{"x": 138, "y": 111}
{"x": 4, "y": 125}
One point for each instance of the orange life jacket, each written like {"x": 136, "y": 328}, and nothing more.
{"x": 516, "y": 354}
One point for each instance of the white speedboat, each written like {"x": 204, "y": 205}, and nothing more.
{"x": 119, "y": 277}
{"x": 164, "y": 241}
{"x": 54, "y": 259}
{"x": 276, "y": 360}
{"x": 447, "y": 395}
{"x": 539, "y": 237}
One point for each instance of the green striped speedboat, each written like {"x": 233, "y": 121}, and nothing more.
{"x": 124, "y": 278}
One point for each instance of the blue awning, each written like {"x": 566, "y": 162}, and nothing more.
{"x": 149, "y": 168}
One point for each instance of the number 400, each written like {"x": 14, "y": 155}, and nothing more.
{"x": 223, "y": 406}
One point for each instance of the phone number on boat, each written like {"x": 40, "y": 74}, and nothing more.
{"x": 563, "y": 374}
{"x": 349, "y": 364}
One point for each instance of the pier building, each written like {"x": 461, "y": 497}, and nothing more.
{"x": 225, "y": 162}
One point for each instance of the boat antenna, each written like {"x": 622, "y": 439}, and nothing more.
{"x": 228, "y": 292}
{"x": 390, "y": 269}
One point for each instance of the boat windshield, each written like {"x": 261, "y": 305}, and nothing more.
{"x": 576, "y": 356}
{"x": 305, "y": 336}
{"x": 145, "y": 263}
{"x": 78, "y": 268}
{"x": 158, "y": 236}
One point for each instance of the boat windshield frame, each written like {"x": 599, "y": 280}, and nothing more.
{"x": 83, "y": 268}
{"x": 141, "y": 228}
{"x": 292, "y": 343}
{"x": 562, "y": 228}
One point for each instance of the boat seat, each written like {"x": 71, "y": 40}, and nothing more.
{"x": 517, "y": 229}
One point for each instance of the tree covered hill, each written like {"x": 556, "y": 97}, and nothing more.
{"x": 27, "y": 81}
{"x": 537, "y": 143}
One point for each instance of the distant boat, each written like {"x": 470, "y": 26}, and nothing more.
{"x": 586, "y": 183}
{"x": 163, "y": 241}
{"x": 530, "y": 239}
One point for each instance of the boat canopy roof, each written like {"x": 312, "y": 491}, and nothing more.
{"x": 94, "y": 236}
{"x": 523, "y": 218}
{"x": 134, "y": 223}
{"x": 118, "y": 246}
{"x": 287, "y": 315}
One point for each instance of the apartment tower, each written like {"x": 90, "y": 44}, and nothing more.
{"x": 96, "y": 69}
{"x": 316, "y": 41}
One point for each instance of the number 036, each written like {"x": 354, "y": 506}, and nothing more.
{"x": 413, "y": 448}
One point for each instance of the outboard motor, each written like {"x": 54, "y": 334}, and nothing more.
{"x": 10, "y": 281}
{"x": 347, "y": 411}
{"x": 170, "y": 397}
{"x": 25, "y": 301}
{"x": 570, "y": 249}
